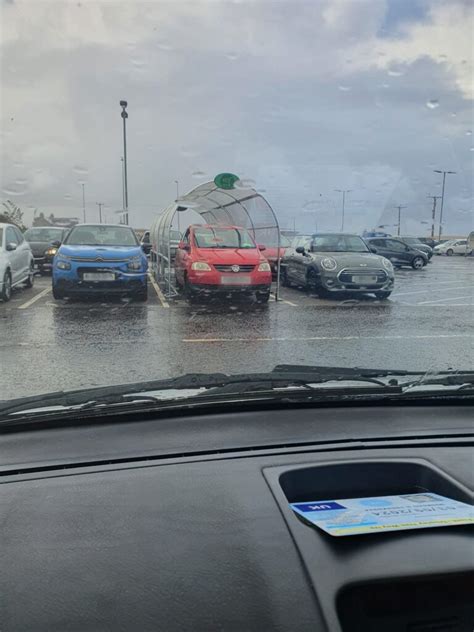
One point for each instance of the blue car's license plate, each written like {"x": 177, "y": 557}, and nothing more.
{"x": 98, "y": 276}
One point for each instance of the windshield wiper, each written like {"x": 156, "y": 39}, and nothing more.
{"x": 283, "y": 380}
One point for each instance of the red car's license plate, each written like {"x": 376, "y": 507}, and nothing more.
{"x": 235, "y": 279}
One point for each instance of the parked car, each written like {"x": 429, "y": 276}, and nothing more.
{"x": 16, "y": 261}
{"x": 101, "y": 259}
{"x": 419, "y": 245}
{"x": 222, "y": 259}
{"x": 44, "y": 242}
{"x": 296, "y": 242}
{"x": 271, "y": 253}
{"x": 429, "y": 241}
{"x": 399, "y": 253}
{"x": 470, "y": 243}
{"x": 453, "y": 247}
{"x": 338, "y": 263}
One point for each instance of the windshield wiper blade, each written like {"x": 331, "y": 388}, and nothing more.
{"x": 281, "y": 377}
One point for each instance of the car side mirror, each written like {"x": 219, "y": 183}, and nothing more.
{"x": 56, "y": 243}
{"x": 373, "y": 249}
{"x": 261, "y": 247}
{"x": 183, "y": 246}
{"x": 11, "y": 246}
{"x": 300, "y": 250}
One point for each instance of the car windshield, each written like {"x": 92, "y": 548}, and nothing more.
{"x": 44, "y": 234}
{"x": 224, "y": 128}
{"x": 101, "y": 236}
{"x": 223, "y": 238}
{"x": 338, "y": 243}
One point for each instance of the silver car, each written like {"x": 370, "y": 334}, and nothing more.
{"x": 338, "y": 263}
{"x": 16, "y": 260}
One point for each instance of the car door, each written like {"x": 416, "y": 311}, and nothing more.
{"x": 24, "y": 251}
{"x": 180, "y": 258}
{"x": 400, "y": 253}
{"x": 296, "y": 261}
{"x": 383, "y": 249}
{"x": 15, "y": 255}
{"x": 460, "y": 247}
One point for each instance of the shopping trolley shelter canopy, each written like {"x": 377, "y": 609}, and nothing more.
{"x": 226, "y": 201}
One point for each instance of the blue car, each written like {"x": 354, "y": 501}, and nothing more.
{"x": 100, "y": 259}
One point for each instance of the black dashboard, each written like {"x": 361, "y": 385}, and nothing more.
{"x": 180, "y": 523}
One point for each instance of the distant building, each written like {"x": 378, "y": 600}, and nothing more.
{"x": 62, "y": 222}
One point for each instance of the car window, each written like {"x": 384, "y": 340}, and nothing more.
{"x": 11, "y": 236}
{"x": 19, "y": 236}
{"x": 84, "y": 235}
{"x": 377, "y": 242}
{"x": 1, "y": 237}
{"x": 398, "y": 246}
{"x": 175, "y": 235}
{"x": 338, "y": 243}
{"x": 214, "y": 237}
{"x": 44, "y": 234}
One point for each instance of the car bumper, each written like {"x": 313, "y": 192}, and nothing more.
{"x": 69, "y": 286}
{"x": 338, "y": 283}
{"x": 227, "y": 289}
{"x": 227, "y": 281}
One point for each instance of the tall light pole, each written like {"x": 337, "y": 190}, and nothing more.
{"x": 124, "y": 118}
{"x": 399, "y": 218}
{"x": 100, "y": 205}
{"x": 84, "y": 201}
{"x": 442, "y": 201}
{"x": 343, "y": 191}
{"x": 123, "y": 191}
{"x": 435, "y": 198}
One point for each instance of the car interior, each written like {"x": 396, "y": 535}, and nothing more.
{"x": 182, "y": 520}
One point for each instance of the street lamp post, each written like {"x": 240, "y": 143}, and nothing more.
{"x": 435, "y": 198}
{"x": 399, "y": 218}
{"x": 343, "y": 191}
{"x": 124, "y": 115}
{"x": 442, "y": 200}
{"x": 177, "y": 198}
{"x": 84, "y": 202}
{"x": 122, "y": 219}
{"x": 100, "y": 205}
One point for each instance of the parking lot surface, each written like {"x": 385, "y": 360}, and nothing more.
{"x": 48, "y": 345}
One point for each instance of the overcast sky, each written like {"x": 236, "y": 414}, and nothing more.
{"x": 300, "y": 97}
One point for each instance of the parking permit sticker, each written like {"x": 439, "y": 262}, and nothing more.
{"x": 354, "y": 516}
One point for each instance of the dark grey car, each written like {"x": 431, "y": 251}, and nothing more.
{"x": 42, "y": 240}
{"x": 338, "y": 263}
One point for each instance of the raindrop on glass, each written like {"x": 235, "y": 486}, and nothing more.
{"x": 453, "y": 114}
{"x": 344, "y": 88}
{"x": 395, "y": 73}
{"x": 198, "y": 174}
{"x": 68, "y": 196}
{"x": 79, "y": 169}
{"x": 469, "y": 132}
{"x": 232, "y": 56}
{"x": 432, "y": 104}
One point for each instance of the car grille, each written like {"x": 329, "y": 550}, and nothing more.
{"x": 228, "y": 268}
{"x": 345, "y": 276}
{"x": 98, "y": 260}
{"x": 81, "y": 271}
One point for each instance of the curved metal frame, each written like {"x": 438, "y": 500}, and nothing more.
{"x": 165, "y": 222}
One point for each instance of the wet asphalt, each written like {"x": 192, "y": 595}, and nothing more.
{"x": 48, "y": 345}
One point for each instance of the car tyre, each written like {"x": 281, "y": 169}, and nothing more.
{"x": 58, "y": 294}
{"x": 382, "y": 294}
{"x": 262, "y": 297}
{"x": 6, "y": 292}
{"x": 417, "y": 263}
{"x": 30, "y": 281}
{"x": 449, "y": 252}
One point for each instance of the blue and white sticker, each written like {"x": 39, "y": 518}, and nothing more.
{"x": 353, "y": 516}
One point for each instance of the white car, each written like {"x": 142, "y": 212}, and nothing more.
{"x": 16, "y": 260}
{"x": 453, "y": 247}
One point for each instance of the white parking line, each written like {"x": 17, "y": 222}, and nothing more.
{"x": 445, "y": 289}
{"x": 449, "y": 298}
{"x": 158, "y": 291}
{"x": 35, "y": 298}
{"x": 284, "y": 300}
{"x": 310, "y": 338}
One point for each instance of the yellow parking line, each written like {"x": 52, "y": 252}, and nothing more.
{"x": 158, "y": 291}
{"x": 35, "y": 298}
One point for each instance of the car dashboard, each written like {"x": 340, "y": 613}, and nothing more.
{"x": 182, "y": 522}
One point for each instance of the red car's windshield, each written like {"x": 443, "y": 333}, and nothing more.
{"x": 223, "y": 238}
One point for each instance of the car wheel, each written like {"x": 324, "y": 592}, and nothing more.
{"x": 449, "y": 252}
{"x": 142, "y": 295}
{"x": 262, "y": 297}
{"x": 6, "y": 292}
{"x": 58, "y": 294}
{"x": 31, "y": 277}
{"x": 382, "y": 294}
{"x": 417, "y": 263}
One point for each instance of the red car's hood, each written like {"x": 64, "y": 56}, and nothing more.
{"x": 230, "y": 256}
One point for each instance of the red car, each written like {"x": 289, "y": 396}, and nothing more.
{"x": 271, "y": 253}
{"x": 222, "y": 259}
